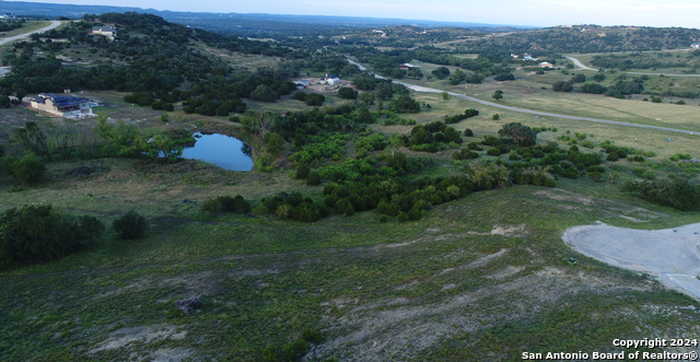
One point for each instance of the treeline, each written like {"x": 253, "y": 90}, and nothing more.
{"x": 643, "y": 61}
{"x": 585, "y": 39}
{"x": 474, "y": 70}
{"x": 11, "y": 24}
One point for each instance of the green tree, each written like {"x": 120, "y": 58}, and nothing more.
{"x": 520, "y": 134}
{"x": 347, "y": 93}
{"x": 264, "y": 93}
{"x": 498, "y": 95}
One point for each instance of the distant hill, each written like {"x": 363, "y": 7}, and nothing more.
{"x": 585, "y": 39}
{"x": 237, "y": 23}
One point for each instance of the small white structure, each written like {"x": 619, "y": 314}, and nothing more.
{"x": 331, "y": 80}
{"x": 63, "y": 105}
{"x": 407, "y": 66}
{"x": 108, "y": 31}
{"x": 545, "y": 65}
{"x": 695, "y": 46}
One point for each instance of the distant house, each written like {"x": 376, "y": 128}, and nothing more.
{"x": 63, "y": 105}
{"x": 408, "y": 66}
{"x": 545, "y": 65}
{"x": 528, "y": 58}
{"x": 331, "y": 80}
{"x": 108, "y": 31}
{"x": 695, "y": 46}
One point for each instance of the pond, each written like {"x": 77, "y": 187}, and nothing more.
{"x": 227, "y": 152}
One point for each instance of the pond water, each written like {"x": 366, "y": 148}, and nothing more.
{"x": 227, "y": 152}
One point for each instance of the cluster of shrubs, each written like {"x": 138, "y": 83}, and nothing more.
{"x": 294, "y": 206}
{"x": 130, "y": 226}
{"x": 469, "y": 113}
{"x": 432, "y": 137}
{"x": 227, "y": 204}
{"x": 39, "y": 233}
{"x": 678, "y": 192}
{"x": 26, "y": 170}
{"x": 311, "y": 99}
{"x": 35, "y": 234}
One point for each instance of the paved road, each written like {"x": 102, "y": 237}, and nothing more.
{"x": 671, "y": 255}
{"x": 422, "y": 89}
{"x": 54, "y": 24}
{"x": 579, "y": 64}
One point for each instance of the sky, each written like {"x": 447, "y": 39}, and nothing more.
{"x": 682, "y": 13}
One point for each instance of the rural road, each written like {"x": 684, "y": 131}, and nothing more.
{"x": 422, "y": 89}
{"x": 54, "y": 24}
{"x": 579, "y": 64}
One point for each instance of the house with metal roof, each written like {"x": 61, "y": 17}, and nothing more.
{"x": 108, "y": 31}
{"x": 63, "y": 105}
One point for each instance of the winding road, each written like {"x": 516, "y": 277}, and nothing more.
{"x": 423, "y": 89}
{"x": 579, "y": 64}
{"x": 54, "y": 24}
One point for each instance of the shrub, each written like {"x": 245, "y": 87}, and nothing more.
{"x": 563, "y": 86}
{"x": 130, "y": 226}
{"x": 314, "y": 99}
{"x": 347, "y": 93}
{"x": 38, "y": 234}
{"x": 487, "y": 176}
{"x": 226, "y": 204}
{"x": 496, "y": 117}
{"x": 465, "y": 154}
{"x": 313, "y": 179}
{"x": 678, "y": 193}
{"x": 468, "y": 133}
{"x": 534, "y": 176}
{"x": 27, "y": 170}
{"x": 522, "y": 135}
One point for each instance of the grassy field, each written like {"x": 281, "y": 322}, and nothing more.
{"x": 476, "y": 279}
{"x": 29, "y": 26}
{"x": 534, "y": 91}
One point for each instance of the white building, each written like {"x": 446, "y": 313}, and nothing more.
{"x": 63, "y": 105}
{"x": 107, "y": 31}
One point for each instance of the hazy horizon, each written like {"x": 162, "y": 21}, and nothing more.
{"x": 681, "y": 13}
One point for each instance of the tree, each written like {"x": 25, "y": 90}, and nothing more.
{"x": 32, "y": 138}
{"x": 522, "y": 135}
{"x": 458, "y": 77}
{"x": 26, "y": 170}
{"x": 445, "y": 96}
{"x": 130, "y": 226}
{"x": 314, "y": 99}
{"x": 498, "y": 95}
{"x": 405, "y": 104}
{"x": 441, "y": 73}
{"x": 38, "y": 233}
{"x": 579, "y": 78}
{"x": 347, "y": 93}
{"x": 504, "y": 77}
{"x": 563, "y": 86}
{"x": 264, "y": 93}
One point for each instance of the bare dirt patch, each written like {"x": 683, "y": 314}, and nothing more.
{"x": 382, "y": 331}
{"x": 146, "y": 334}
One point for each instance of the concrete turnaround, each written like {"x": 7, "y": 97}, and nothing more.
{"x": 670, "y": 255}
